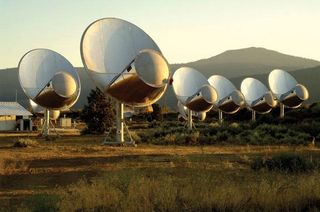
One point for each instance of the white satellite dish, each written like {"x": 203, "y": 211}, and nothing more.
{"x": 182, "y": 110}
{"x": 36, "y": 109}
{"x": 257, "y": 97}
{"x": 49, "y": 80}
{"x": 183, "y": 113}
{"x": 125, "y": 63}
{"x": 287, "y": 90}
{"x": 201, "y": 115}
{"x": 230, "y": 98}
{"x": 193, "y": 91}
{"x": 40, "y": 111}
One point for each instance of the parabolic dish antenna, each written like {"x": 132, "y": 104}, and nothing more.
{"x": 40, "y": 111}
{"x": 183, "y": 113}
{"x": 193, "y": 91}
{"x": 287, "y": 90}
{"x": 49, "y": 80}
{"x": 182, "y": 110}
{"x": 257, "y": 97}
{"x": 125, "y": 63}
{"x": 230, "y": 99}
{"x": 36, "y": 109}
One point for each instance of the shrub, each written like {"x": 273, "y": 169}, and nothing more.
{"x": 156, "y": 112}
{"x": 170, "y": 139}
{"x": 258, "y": 164}
{"x": 214, "y": 125}
{"x": 135, "y": 136}
{"x": 25, "y": 142}
{"x": 206, "y": 139}
{"x": 192, "y": 138}
{"x": 311, "y": 128}
{"x": 234, "y": 125}
{"x": 43, "y": 202}
{"x": 223, "y": 135}
{"x": 284, "y": 162}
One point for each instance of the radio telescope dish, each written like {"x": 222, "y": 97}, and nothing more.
{"x": 49, "y": 80}
{"x": 36, "y": 109}
{"x": 54, "y": 114}
{"x": 201, "y": 116}
{"x": 183, "y": 111}
{"x": 230, "y": 99}
{"x": 193, "y": 91}
{"x": 287, "y": 90}
{"x": 125, "y": 63}
{"x": 40, "y": 111}
{"x": 257, "y": 97}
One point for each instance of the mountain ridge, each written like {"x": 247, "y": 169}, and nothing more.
{"x": 242, "y": 62}
{"x": 232, "y": 51}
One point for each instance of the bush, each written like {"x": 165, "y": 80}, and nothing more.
{"x": 43, "y": 202}
{"x": 285, "y": 162}
{"x": 156, "y": 112}
{"x": 135, "y": 136}
{"x": 192, "y": 138}
{"x": 223, "y": 135}
{"x": 25, "y": 142}
{"x": 170, "y": 139}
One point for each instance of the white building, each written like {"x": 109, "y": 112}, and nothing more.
{"x": 14, "y": 117}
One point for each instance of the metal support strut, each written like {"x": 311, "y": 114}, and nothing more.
{"x": 45, "y": 132}
{"x": 120, "y": 136}
{"x": 46, "y": 126}
{"x": 120, "y": 124}
{"x": 253, "y": 115}
{"x": 281, "y": 110}
{"x": 190, "y": 124}
{"x": 220, "y": 116}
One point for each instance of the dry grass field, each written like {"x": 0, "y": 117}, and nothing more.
{"x": 78, "y": 173}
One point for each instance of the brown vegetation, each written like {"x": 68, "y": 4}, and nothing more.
{"x": 80, "y": 173}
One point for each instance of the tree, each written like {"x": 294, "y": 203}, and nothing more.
{"x": 156, "y": 113}
{"x": 99, "y": 114}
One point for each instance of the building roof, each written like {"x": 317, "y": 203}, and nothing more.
{"x": 13, "y": 108}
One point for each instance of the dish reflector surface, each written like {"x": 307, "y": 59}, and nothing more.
{"x": 281, "y": 82}
{"x": 183, "y": 112}
{"x": 223, "y": 86}
{"x": 38, "y": 110}
{"x": 187, "y": 82}
{"x": 286, "y": 88}
{"x": 257, "y": 96}
{"x": 124, "y": 61}
{"x": 193, "y": 90}
{"x": 252, "y": 89}
{"x": 49, "y": 79}
{"x": 230, "y": 99}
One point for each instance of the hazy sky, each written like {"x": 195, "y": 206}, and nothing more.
{"x": 185, "y": 30}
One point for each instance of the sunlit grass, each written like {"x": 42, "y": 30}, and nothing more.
{"x": 81, "y": 174}
{"x": 192, "y": 189}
